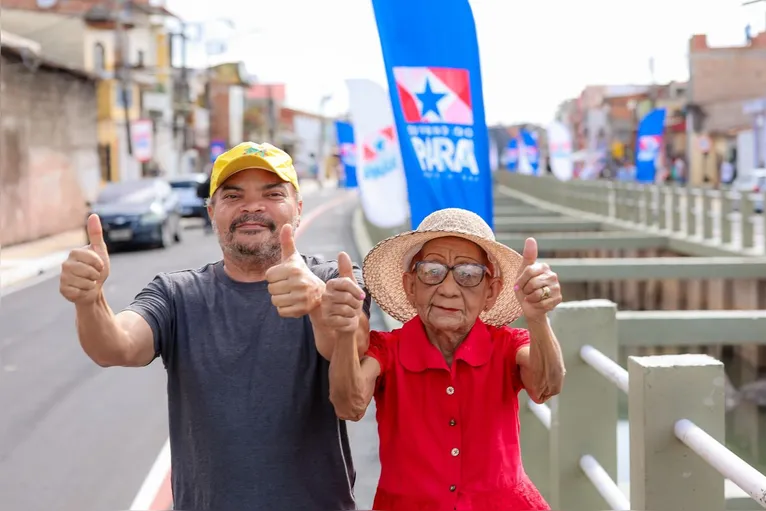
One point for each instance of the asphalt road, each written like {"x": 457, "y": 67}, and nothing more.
{"x": 76, "y": 437}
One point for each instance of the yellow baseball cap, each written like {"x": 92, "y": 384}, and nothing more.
{"x": 249, "y": 155}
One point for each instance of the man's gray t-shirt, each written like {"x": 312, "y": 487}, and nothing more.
{"x": 251, "y": 423}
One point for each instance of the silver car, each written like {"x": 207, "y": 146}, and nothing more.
{"x": 186, "y": 187}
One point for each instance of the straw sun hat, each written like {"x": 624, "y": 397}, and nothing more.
{"x": 389, "y": 259}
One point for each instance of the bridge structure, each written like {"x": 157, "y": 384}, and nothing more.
{"x": 659, "y": 282}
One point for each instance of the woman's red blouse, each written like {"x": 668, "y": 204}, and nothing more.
{"x": 449, "y": 436}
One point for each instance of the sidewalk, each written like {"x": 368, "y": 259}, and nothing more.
{"x": 27, "y": 260}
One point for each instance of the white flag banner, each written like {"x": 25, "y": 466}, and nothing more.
{"x": 494, "y": 162}
{"x": 379, "y": 168}
{"x": 560, "y": 151}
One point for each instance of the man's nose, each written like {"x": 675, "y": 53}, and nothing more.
{"x": 449, "y": 287}
{"x": 252, "y": 205}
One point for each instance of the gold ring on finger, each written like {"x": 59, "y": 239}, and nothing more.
{"x": 546, "y": 293}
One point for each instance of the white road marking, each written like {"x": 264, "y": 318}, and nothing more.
{"x": 153, "y": 481}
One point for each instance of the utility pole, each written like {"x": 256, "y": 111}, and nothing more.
{"x": 184, "y": 87}
{"x": 120, "y": 7}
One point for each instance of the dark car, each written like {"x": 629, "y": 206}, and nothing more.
{"x": 142, "y": 212}
{"x": 186, "y": 186}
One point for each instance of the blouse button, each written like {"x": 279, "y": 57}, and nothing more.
{"x": 452, "y": 488}
{"x": 452, "y": 422}
{"x": 455, "y": 451}
{"x": 450, "y": 390}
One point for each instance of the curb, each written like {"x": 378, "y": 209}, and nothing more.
{"x": 363, "y": 245}
{"x": 15, "y": 279}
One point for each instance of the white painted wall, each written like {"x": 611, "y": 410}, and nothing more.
{"x": 307, "y": 135}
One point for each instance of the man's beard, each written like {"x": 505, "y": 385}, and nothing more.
{"x": 261, "y": 254}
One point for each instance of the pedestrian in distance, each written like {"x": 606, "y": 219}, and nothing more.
{"x": 203, "y": 192}
{"x": 446, "y": 383}
{"x": 245, "y": 347}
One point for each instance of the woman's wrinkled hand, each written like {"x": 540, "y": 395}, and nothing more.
{"x": 342, "y": 299}
{"x": 537, "y": 287}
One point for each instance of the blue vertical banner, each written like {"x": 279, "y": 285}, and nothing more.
{"x": 649, "y": 144}
{"x": 531, "y": 150}
{"x": 434, "y": 80}
{"x": 512, "y": 155}
{"x": 347, "y": 152}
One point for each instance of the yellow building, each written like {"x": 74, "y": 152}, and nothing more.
{"x": 149, "y": 74}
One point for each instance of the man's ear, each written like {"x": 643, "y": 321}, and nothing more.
{"x": 493, "y": 292}
{"x": 408, "y": 282}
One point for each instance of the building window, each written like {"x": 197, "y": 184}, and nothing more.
{"x": 99, "y": 57}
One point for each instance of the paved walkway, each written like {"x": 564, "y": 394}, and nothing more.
{"x": 26, "y": 260}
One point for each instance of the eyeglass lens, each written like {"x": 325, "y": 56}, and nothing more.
{"x": 465, "y": 274}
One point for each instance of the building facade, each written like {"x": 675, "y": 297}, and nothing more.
{"x": 85, "y": 35}
{"x": 49, "y": 166}
{"x": 722, "y": 81}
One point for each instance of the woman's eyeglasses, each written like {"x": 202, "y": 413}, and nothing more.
{"x": 432, "y": 273}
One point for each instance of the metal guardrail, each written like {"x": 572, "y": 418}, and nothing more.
{"x": 704, "y": 216}
{"x": 714, "y": 453}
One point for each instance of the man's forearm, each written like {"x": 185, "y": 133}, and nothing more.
{"x": 100, "y": 336}
{"x": 347, "y": 389}
{"x": 546, "y": 364}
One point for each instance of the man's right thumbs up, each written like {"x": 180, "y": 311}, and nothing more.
{"x": 96, "y": 235}
{"x": 345, "y": 266}
{"x": 287, "y": 242}
{"x": 85, "y": 270}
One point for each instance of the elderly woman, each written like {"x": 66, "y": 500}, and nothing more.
{"x": 446, "y": 383}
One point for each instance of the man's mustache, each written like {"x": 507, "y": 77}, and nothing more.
{"x": 253, "y": 218}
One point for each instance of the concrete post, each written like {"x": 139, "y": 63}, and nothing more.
{"x": 584, "y": 415}
{"x": 675, "y": 208}
{"x": 535, "y": 446}
{"x": 725, "y": 216}
{"x": 664, "y": 474}
{"x": 662, "y": 207}
{"x": 691, "y": 211}
{"x": 707, "y": 214}
{"x": 746, "y": 210}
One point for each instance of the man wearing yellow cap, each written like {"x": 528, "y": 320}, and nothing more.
{"x": 251, "y": 423}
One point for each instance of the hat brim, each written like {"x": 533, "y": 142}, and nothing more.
{"x": 384, "y": 266}
{"x": 252, "y": 161}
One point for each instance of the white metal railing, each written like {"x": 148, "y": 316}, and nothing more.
{"x": 605, "y": 366}
{"x": 604, "y": 484}
{"x": 723, "y": 460}
{"x": 726, "y": 463}
{"x": 542, "y": 412}
{"x": 721, "y": 216}
{"x": 602, "y": 481}
{"x": 593, "y": 470}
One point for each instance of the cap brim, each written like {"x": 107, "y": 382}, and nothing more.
{"x": 384, "y": 265}
{"x": 251, "y": 161}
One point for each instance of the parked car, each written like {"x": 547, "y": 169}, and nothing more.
{"x": 752, "y": 182}
{"x": 186, "y": 187}
{"x": 140, "y": 212}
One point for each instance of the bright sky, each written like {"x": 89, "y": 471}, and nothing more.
{"x": 534, "y": 54}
